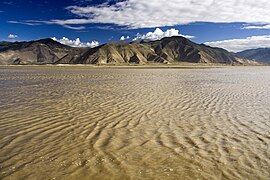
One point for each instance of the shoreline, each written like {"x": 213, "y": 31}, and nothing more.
{"x": 133, "y": 66}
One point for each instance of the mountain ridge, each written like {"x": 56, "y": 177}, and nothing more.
{"x": 261, "y": 55}
{"x": 167, "y": 50}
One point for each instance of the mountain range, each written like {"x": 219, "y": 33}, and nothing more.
{"x": 167, "y": 50}
{"x": 261, "y": 55}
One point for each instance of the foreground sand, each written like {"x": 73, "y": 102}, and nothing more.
{"x": 92, "y": 123}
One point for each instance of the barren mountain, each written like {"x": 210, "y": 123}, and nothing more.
{"x": 261, "y": 55}
{"x": 44, "y": 51}
{"x": 166, "y": 50}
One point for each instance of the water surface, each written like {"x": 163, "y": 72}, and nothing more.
{"x": 81, "y": 123}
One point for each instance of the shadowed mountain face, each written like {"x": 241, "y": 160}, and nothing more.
{"x": 180, "y": 49}
{"x": 166, "y": 50}
{"x": 260, "y": 55}
{"x": 44, "y": 51}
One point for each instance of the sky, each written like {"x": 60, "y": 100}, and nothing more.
{"x": 235, "y": 25}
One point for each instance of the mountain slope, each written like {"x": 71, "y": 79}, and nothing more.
{"x": 260, "y": 55}
{"x": 166, "y": 50}
{"x": 181, "y": 49}
{"x": 36, "y": 52}
{"x": 118, "y": 53}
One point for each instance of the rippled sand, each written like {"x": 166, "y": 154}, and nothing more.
{"x": 80, "y": 123}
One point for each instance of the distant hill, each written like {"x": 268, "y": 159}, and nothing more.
{"x": 261, "y": 55}
{"x": 166, "y": 50}
{"x": 44, "y": 51}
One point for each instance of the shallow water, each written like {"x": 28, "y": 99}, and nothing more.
{"x": 80, "y": 123}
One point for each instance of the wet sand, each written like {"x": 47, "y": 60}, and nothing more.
{"x": 87, "y": 123}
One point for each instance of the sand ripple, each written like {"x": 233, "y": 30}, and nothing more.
{"x": 79, "y": 123}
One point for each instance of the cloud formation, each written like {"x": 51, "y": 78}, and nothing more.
{"x": 158, "y": 13}
{"x": 74, "y": 28}
{"x": 159, "y": 34}
{"x": 123, "y": 38}
{"x": 38, "y": 22}
{"x": 237, "y": 45}
{"x": 135, "y": 14}
{"x": 27, "y": 22}
{"x": 12, "y": 36}
{"x": 76, "y": 43}
{"x": 267, "y": 26}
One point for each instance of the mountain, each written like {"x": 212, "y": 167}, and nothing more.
{"x": 166, "y": 50}
{"x": 261, "y": 55}
{"x": 44, "y": 51}
{"x": 181, "y": 49}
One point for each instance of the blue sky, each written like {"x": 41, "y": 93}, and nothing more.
{"x": 234, "y": 24}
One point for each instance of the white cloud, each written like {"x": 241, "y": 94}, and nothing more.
{"x": 12, "y": 36}
{"x": 267, "y": 26}
{"x": 27, "y": 22}
{"x": 159, "y": 34}
{"x": 158, "y": 13}
{"x": 37, "y": 22}
{"x": 76, "y": 43}
{"x": 236, "y": 45}
{"x": 74, "y": 28}
{"x": 123, "y": 38}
